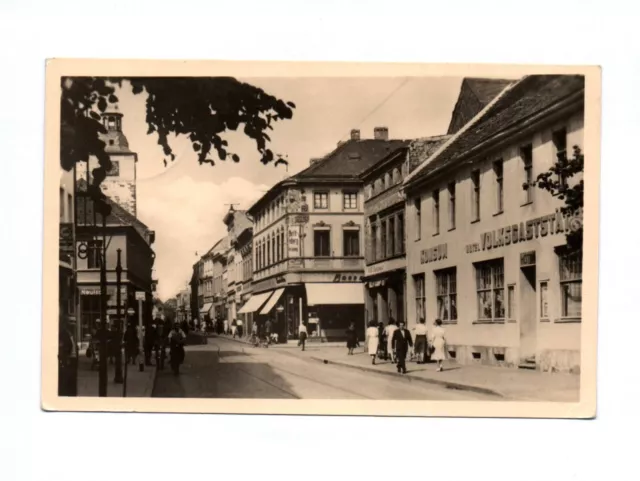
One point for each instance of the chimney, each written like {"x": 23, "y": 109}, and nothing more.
{"x": 381, "y": 133}
{"x": 355, "y": 134}
{"x": 315, "y": 160}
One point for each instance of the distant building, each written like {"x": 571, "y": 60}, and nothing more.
{"x": 67, "y": 298}
{"x": 486, "y": 255}
{"x": 238, "y": 224}
{"x": 308, "y": 243}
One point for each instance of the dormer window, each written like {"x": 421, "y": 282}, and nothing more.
{"x": 111, "y": 123}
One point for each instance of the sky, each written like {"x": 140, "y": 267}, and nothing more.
{"x": 185, "y": 202}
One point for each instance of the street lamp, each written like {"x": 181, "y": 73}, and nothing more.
{"x": 118, "y": 337}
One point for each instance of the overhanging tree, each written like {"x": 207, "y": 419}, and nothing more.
{"x": 201, "y": 108}
{"x": 557, "y": 182}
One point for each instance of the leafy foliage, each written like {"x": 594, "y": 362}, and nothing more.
{"x": 201, "y": 108}
{"x": 556, "y": 181}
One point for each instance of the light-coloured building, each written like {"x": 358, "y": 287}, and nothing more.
{"x": 308, "y": 243}
{"x": 484, "y": 254}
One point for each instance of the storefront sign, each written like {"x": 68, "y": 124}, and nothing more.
{"x": 281, "y": 280}
{"x": 386, "y": 266}
{"x": 347, "y": 277}
{"x": 541, "y": 227}
{"x": 528, "y": 259}
{"x": 433, "y": 254}
{"x": 293, "y": 241}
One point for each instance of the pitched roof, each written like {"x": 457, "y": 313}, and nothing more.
{"x": 475, "y": 94}
{"x": 350, "y": 159}
{"x": 518, "y": 102}
{"x": 118, "y": 215}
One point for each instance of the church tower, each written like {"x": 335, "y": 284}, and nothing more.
{"x": 120, "y": 183}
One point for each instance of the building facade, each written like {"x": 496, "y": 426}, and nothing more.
{"x": 308, "y": 243}
{"x": 244, "y": 246}
{"x": 219, "y": 259}
{"x": 238, "y": 223}
{"x": 384, "y": 211}
{"x": 486, "y": 255}
{"x": 67, "y": 269}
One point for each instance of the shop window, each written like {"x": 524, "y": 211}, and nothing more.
{"x": 571, "y": 285}
{"x": 350, "y": 200}
{"x": 321, "y": 243}
{"x": 451, "y": 188}
{"x": 511, "y": 302}
{"x": 498, "y": 172}
{"x": 475, "y": 196}
{"x": 544, "y": 300}
{"x": 436, "y": 212}
{"x": 94, "y": 254}
{"x": 419, "y": 287}
{"x": 418, "y": 217}
{"x": 490, "y": 290}
{"x": 446, "y": 294}
{"x": 526, "y": 153}
{"x": 560, "y": 148}
{"x": 351, "y": 243}
{"x": 320, "y": 200}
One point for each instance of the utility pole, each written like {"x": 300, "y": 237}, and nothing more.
{"x": 118, "y": 337}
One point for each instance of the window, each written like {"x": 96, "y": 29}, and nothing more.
{"x": 320, "y": 200}
{"x": 418, "y": 217}
{"x": 475, "y": 196}
{"x": 62, "y": 218}
{"x": 351, "y": 243}
{"x": 526, "y": 153}
{"x": 350, "y": 200}
{"x": 94, "y": 254}
{"x": 511, "y": 302}
{"x": 282, "y": 244}
{"x": 544, "y": 300}
{"x": 436, "y": 212}
{"x": 387, "y": 180}
{"x": 560, "y": 147}
{"x": 391, "y": 248}
{"x": 274, "y": 250}
{"x": 418, "y": 284}
{"x": 490, "y": 288}
{"x": 498, "y": 172}
{"x": 269, "y": 251}
{"x": 446, "y": 294}
{"x": 321, "y": 243}
{"x": 264, "y": 253}
{"x": 571, "y": 285}
{"x": 383, "y": 239}
{"x": 452, "y": 205}
{"x": 374, "y": 241}
{"x": 401, "y": 243}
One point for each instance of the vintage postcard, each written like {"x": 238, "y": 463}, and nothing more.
{"x": 321, "y": 238}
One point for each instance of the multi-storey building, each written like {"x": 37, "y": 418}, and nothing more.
{"x": 308, "y": 243}
{"x": 238, "y": 223}
{"x": 67, "y": 268}
{"x": 244, "y": 246}
{"x": 485, "y": 254}
{"x": 384, "y": 211}
{"x": 219, "y": 259}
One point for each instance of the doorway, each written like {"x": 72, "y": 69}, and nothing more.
{"x": 528, "y": 315}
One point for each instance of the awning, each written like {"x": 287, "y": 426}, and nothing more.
{"x": 334, "y": 293}
{"x": 205, "y": 309}
{"x": 277, "y": 294}
{"x": 255, "y": 302}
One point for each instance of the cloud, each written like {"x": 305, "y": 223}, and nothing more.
{"x": 187, "y": 217}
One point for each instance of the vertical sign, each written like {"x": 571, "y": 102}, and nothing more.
{"x": 140, "y": 297}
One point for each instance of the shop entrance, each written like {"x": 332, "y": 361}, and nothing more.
{"x": 528, "y": 315}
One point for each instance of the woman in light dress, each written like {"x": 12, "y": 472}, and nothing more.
{"x": 438, "y": 342}
{"x": 372, "y": 341}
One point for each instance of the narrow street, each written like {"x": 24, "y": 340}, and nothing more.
{"x": 227, "y": 369}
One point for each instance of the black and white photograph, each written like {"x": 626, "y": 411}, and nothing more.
{"x": 291, "y": 238}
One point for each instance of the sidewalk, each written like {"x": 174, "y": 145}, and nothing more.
{"x": 502, "y": 382}
{"x": 139, "y": 384}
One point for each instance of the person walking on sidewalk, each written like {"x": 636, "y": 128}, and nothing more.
{"x": 131, "y": 343}
{"x": 267, "y": 331}
{"x": 240, "y": 327}
{"x": 438, "y": 342}
{"x": 421, "y": 342}
{"x": 372, "y": 341}
{"x": 401, "y": 344}
{"x": 352, "y": 338}
{"x": 389, "y": 330}
{"x": 302, "y": 334}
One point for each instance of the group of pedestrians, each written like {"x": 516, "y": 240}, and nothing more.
{"x": 394, "y": 342}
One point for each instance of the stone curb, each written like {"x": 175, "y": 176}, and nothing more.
{"x": 408, "y": 377}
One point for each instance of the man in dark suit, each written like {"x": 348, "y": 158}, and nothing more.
{"x": 401, "y": 342}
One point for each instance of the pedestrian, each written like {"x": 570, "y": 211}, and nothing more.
{"x": 267, "y": 331}
{"x": 240, "y": 327}
{"x": 254, "y": 333}
{"x": 438, "y": 342}
{"x": 225, "y": 328}
{"x": 352, "y": 338}
{"x": 372, "y": 341}
{"x": 131, "y": 343}
{"x": 302, "y": 335}
{"x": 421, "y": 341}
{"x": 234, "y": 328}
{"x": 149, "y": 342}
{"x": 401, "y": 343}
{"x": 388, "y": 331}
